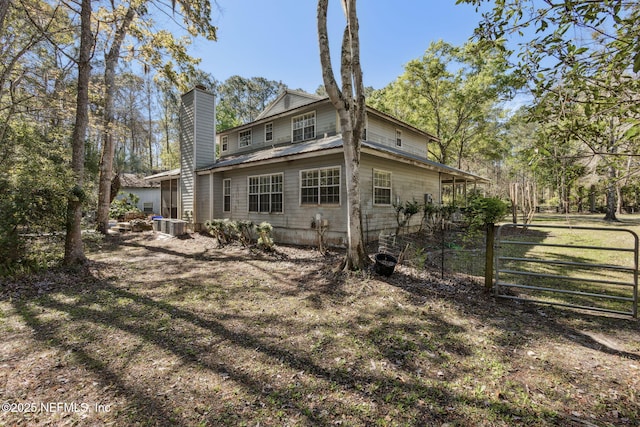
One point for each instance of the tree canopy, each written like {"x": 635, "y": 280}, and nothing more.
{"x": 454, "y": 93}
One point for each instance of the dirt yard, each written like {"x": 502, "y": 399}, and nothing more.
{"x": 166, "y": 331}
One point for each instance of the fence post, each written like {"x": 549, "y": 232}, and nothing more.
{"x": 488, "y": 264}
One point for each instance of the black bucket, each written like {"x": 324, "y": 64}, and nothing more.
{"x": 385, "y": 264}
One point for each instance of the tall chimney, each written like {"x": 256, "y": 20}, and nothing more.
{"x": 197, "y": 145}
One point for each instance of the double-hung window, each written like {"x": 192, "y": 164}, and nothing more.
{"x": 304, "y": 127}
{"x": 320, "y": 186}
{"x": 266, "y": 193}
{"x": 226, "y": 195}
{"x": 381, "y": 187}
{"x": 224, "y": 142}
{"x": 244, "y": 138}
{"x": 398, "y": 138}
{"x": 268, "y": 132}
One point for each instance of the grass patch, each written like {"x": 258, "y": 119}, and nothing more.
{"x": 585, "y": 264}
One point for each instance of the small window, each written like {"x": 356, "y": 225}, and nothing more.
{"x": 224, "y": 142}
{"x": 268, "y": 132}
{"x": 381, "y": 187}
{"x": 398, "y": 138}
{"x": 266, "y": 193}
{"x": 304, "y": 127}
{"x": 245, "y": 138}
{"x": 320, "y": 186}
{"x": 226, "y": 195}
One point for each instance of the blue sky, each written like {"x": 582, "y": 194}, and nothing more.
{"x": 277, "y": 39}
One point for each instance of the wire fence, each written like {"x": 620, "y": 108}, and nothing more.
{"x": 453, "y": 248}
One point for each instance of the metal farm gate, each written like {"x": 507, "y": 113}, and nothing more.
{"x": 584, "y": 273}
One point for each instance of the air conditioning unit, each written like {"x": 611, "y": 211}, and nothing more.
{"x": 428, "y": 198}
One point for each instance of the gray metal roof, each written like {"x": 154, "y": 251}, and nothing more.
{"x": 332, "y": 142}
{"x": 278, "y": 152}
{"x": 426, "y": 162}
{"x": 171, "y": 174}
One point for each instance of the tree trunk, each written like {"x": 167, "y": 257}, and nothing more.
{"x": 4, "y": 9}
{"x": 150, "y": 125}
{"x": 349, "y": 102}
{"x": 513, "y": 197}
{"x": 108, "y": 146}
{"x": 73, "y": 249}
{"x": 612, "y": 199}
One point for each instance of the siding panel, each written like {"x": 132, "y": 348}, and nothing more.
{"x": 187, "y": 135}
{"x": 205, "y": 129}
{"x": 385, "y": 133}
{"x": 203, "y": 199}
{"x": 282, "y": 134}
{"x": 407, "y": 183}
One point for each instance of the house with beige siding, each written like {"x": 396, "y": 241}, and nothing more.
{"x": 287, "y": 168}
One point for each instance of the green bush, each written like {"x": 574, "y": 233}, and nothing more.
{"x": 244, "y": 232}
{"x": 226, "y": 231}
{"x": 482, "y": 211}
{"x": 122, "y": 206}
{"x": 33, "y": 202}
{"x": 404, "y": 212}
{"x": 220, "y": 229}
{"x": 265, "y": 241}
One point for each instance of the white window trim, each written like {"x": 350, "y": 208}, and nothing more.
{"x": 249, "y": 194}
{"x": 240, "y": 138}
{"x": 390, "y": 188}
{"x": 315, "y": 126}
{"x": 224, "y": 141}
{"x": 224, "y": 195}
{"x": 398, "y": 138}
{"x": 265, "y": 132}
{"x": 320, "y": 204}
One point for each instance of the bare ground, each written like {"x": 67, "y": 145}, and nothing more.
{"x": 160, "y": 331}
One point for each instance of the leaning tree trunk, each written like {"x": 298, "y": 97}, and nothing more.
{"x": 349, "y": 102}
{"x": 73, "y": 250}
{"x": 108, "y": 145}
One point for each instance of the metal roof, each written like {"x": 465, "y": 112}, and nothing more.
{"x": 173, "y": 173}
{"x": 334, "y": 142}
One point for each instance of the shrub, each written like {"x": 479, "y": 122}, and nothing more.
{"x": 485, "y": 210}
{"x": 226, "y": 231}
{"x": 120, "y": 207}
{"x": 219, "y": 230}
{"x": 265, "y": 242}
{"x": 404, "y": 212}
{"x": 244, "y": 231}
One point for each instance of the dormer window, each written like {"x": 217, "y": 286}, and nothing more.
{"x": 304, "y": 127}
{"x": 244, "y": 138}
{"x": 268, "y": 132}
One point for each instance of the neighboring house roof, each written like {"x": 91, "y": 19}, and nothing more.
{"x": 332, "y": 143}
{"x": 131, "y": 180}
{"x": 161, "y": 176}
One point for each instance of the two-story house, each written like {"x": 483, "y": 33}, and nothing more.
{"x": 287, "y": 168}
